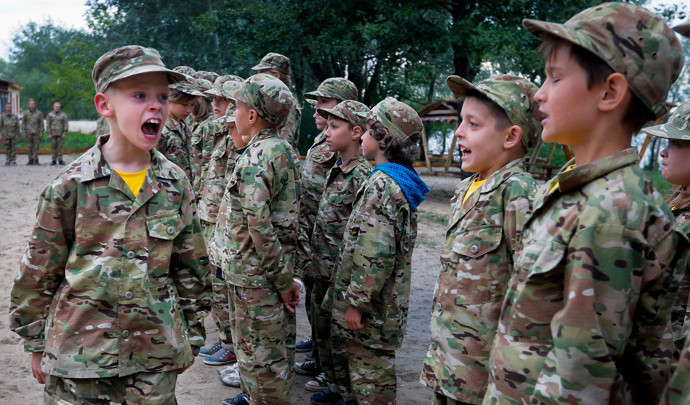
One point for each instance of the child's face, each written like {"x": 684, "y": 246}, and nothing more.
{"x": 338, "y": 135}
{"x": 323, "y": 102}
{"x": 234, "y": 134}
{"x": 220, "y": 106}
{"x": 242, "y": 124}
{"x": 180, "y": 111}
{"x": 478, "y": 139}
{"x": 139, "y": 107}
{"x": 674, "y": 162}
{"x": 570, "y": 108}
{"x": 370, "y": 146}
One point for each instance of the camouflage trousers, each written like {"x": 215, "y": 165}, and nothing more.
{"x": 139, "y": 388}
{"x": 56, "y": 143}
{"x": 220, "y": 310}
{"x": 10, "y": 149}
{"x": 440, "y": 399}
{"x": 264, "y": 337}
{"x": 32, "y": 144}
{"x": 321, "y": 319}
{"x": 311, "y": 310}
{"x": 362, "y": 373}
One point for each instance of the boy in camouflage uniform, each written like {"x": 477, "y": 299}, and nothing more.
{"x": 319, "y": 160}
{"x": 343, "y": 136}
{"x": 110, "y": 288}
{"x": 9, "y": 132}
{"x": 257, "y": 249}
{"x": 586, "y": 313}
{"x": 500, "y": 123}
{"x": 371, "y": 289}
{"x": 57, "y": 126}
{"x": 32, "y": 129}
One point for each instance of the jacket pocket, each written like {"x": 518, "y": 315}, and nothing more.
{"x": 164, "y": 226}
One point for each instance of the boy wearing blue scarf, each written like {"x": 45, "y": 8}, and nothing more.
{"x": 500, "y": 123}
{"x": 371, "y": 288}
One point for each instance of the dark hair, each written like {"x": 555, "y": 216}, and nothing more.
{"x": 636, "y": 115}
{"x": 395, "y": 150}
{"x": 201, "y": 109}
{"x": 498, "y": 113}
{"x": 179, "y": 97}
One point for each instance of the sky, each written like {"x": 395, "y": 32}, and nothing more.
{"x": 70, "y": 14}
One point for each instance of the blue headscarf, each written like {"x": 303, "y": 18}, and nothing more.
{"x": 407, "y": 178}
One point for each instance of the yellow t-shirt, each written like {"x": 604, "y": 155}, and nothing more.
{"x": 134, "y": 180}
{"x": 556, "y": 184}
{"x": 473, "y": 187}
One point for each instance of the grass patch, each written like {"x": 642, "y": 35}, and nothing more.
{"x": 423, "y": 240}
{"x": 73, "y": 141}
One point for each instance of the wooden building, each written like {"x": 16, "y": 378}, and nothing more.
{"x": 9, "y": 93}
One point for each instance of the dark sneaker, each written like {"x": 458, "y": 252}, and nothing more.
{"x": 240, "y": 399}
{"x": 326, "y": 398}
{"x": 36, "y": 163}
{"x": 53, "y": 163}
{"x": 31, "y": 163}
{"x": 7, "y": 163}
{"x": 309, "y": 356}
{"x": 304, "y": 346}
{"x": 317, "y": 384}
{"x": 14, "y": 163}
{"x": 220, "y": 358}
{"x": 344, "y": 402}
{"x": 209, "y": 350}
{"x": 61, "y": 162}
{"x": 308, "y": 368}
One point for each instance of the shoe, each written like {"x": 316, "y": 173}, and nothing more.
{"x": 317, "y": 384}
{"x": 327, "y": 397}
{"x": 209, "y": 350}
{"x": 230, "y": 379}
{"x": 53, "y": 163}
{"x": 240, "y": 399}
{"x": 14, "y": 163}
{"x": 61, "y": 162}
{"x": 231, "y": 369}
{"x": 220, "y": 358}
{"x": 7, "y": 163}
{"x": 309, "y": 356}
{"x": 304, "y": 346}
{"x": 36, "y": 163}
{"x": 31, "y": 163}
{"x": 344, "y": 402}
{"x": 308, "y": 368}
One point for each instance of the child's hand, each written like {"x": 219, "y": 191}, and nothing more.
{"x": 353, "y": 318}
{"x": 291, "y": 298}
{"x": 39, "y": 375}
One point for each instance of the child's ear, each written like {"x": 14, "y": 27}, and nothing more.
{"x": 357, "y": 133}
{"x": 615, "y": 91}
{"x": 102, "y": 105}
{"x": 253, "y": 117}
{"x": 513, "y": 137}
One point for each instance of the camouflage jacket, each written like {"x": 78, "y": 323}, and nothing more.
{"x": 257, "y": 249}
{"x": 315, "y": 167}
{"x": 9, "y": 125}
{"x": 57, "y": 124}
{"x": 289, "y": 129}
{"x": 102, "y": 126}
{"x": 111, "y": 284}
{"x": 677, "y": 391}
{"x": 374, "y": 270}
{"x": 680, "y": 316}
{"x": 175, "y": 143}
{"x": 204, "y": 141}
{"x": 323, "y": 248}
{"x": 32, "y": 123}
{"x": 476, "y": 264}
{"x": 220, "y": 167}
{"x": 587, "y": 311}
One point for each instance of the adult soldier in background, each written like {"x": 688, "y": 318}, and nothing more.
{"x": 57, "y": 125}
{"x": 32, "y": 129}
{"x": 9, "y": 132}
{"x": 278, "y": 65}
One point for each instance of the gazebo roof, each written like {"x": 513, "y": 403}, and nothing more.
{"x": 12, "y": 84}
{"x": 444, "y": 109}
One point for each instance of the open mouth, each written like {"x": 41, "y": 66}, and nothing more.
{"x": 465, "y": 151}
{"x": 150, "y": 127}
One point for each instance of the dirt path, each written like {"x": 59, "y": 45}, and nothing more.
{"x": 19, "y": 189}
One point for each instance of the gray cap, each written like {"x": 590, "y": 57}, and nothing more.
{"x": 274, "y": 61}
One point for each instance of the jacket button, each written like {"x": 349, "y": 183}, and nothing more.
{"x": 129, "y": 295}
{"x": 125, "y": 333}
{"x": 170, "y": 230}
{"x": 434, "y": 346}
{"x": 474, "y": 249}
{"x": 439, "y": 306}
{"x": 130, "y": 254}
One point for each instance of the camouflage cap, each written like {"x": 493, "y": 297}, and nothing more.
{"x": 632, "y": 40}
{"x": 128, "y": 61}
{"x": 677, "y": 126}
{"x": 188, "y": 86}
{"x": 202, "y": 74}
{"x": 266, "y": 94}
{"x": 274, "y": 61}
{"x": 514, "y": 95}
{"x": 683, "y": 29}
{"x": 204, "y": 85}
{"x": 219, "y": 89}
{"x": 338, "y": 88}
{"x": 347, "y": 111}
{"x": 401, "y": 120}
{"x": 185, "y": 70}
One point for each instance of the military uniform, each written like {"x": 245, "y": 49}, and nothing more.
{"x": 102, "y": 127}
{"x": 9, "y": 131}
{"x": 258, "y": 246}
{"x": 175, "y": 144}
{"x": 677, "y": 391}
{"x": 33, "y": 128}
{"x": 57, "y": 125}
{"x": 204, "y": 137}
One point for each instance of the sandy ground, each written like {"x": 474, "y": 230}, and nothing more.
{"x": 19, "y": 190}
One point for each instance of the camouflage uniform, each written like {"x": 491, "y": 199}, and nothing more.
{"x": 57, "y": 125}
{"x": 33, "y": 128}
{"x": 677, "y": 391}
{"x": 142, "y": 314}
{"x": 102, "y": 127}
{"x": 477, "y": 258}
{"x": 208, "y": 129}
{"x": 175, "y": 143}
{"x": 586, "y": 315}
{"x": 9, "y": 131}
{"x": 257, "y": 247}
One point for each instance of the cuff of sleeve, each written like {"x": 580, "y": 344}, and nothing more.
{"x": 34, "y": 345}
{"x": 358, "y": 301}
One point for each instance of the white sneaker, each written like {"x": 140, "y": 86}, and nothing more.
{"x": 231, "y": 369}
{"x": 230, "y": 379}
